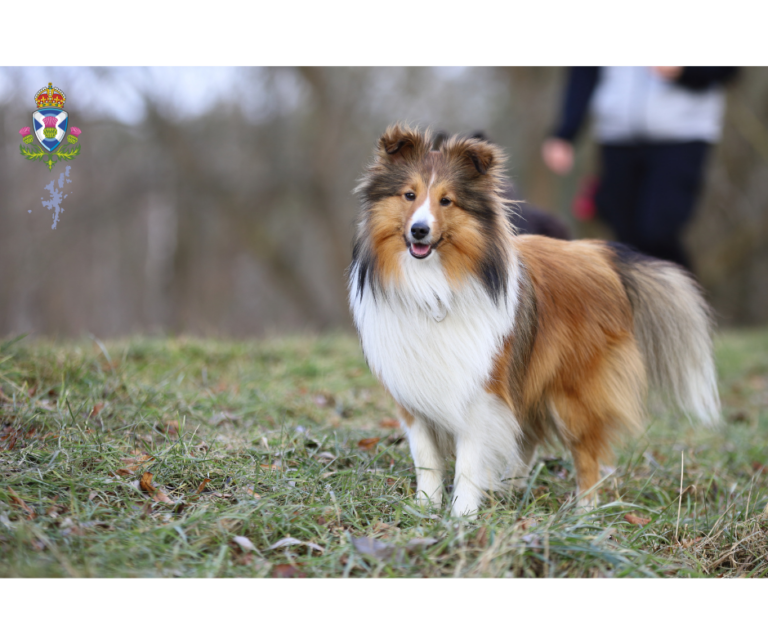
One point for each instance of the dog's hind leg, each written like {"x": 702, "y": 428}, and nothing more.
{"x": 427, "y": 458}
{"x": 586, "y": 435}
{"x": 587, "y": 465}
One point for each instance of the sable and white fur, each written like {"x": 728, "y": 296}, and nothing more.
{"x": 490, "y": 343}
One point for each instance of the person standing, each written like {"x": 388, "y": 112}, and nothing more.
{"x": 655, "y": 127}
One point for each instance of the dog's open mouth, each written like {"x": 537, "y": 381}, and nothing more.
{"x": 420, "y": 251}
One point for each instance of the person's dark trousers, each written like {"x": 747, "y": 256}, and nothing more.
{"x": 648, "y": 192}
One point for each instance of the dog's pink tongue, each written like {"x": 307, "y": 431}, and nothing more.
{"x": 420, "y": 249}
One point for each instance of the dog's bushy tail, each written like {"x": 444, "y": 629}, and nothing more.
{"x": 673, "y": 327}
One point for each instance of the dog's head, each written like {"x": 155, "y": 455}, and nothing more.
{"x": 428, "y": 204}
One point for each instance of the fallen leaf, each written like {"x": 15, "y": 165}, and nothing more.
{"x": 527, "y": 523}
{"x": 15, "y": 500}
{"x": 162, "y": 497}
{"x": 244, "y": 542}
{"x": 97, "y": 409}
{"x": 146, "y": 482}
{"x": 92, "y": 496}
{"x": 287, "y": 571}
{"x": 415, "y": 544}
{"x": 136, "y": 461}
{"x": 250, "y": 491}
{"x": 533, "y": 541}
{"x": 740, "y": 416}
{"x": 373, "y": 547}
{"x": 145, "y": 508}
{"x": 172, "y": 427}
{"x": 201, "y": 487}
{"x": 69, "y": 527}
{"x": 636, "y": 520}
{"x": 325, "y": 456}
{"x": 759, "y": 467}
{"x": 368, "y": 443}
{"x": 132, "y": 464}
{"x": 10, "y": 441}
{"x": 243, "y": 559}
{"x": 287, "y": 542}
{"x": 157, "y": 494}
{"x": 382, "y": 527}
{"x": 389, "y": 422}
{"x": 383, "y": 550}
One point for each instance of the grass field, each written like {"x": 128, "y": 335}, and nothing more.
{"x": 281, "y": 458}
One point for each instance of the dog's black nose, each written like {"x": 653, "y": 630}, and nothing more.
{"x": 419, "y": 230}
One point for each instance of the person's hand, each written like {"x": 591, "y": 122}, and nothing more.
{"x": 558, "y": 155}
{"x": 668, "y": 73}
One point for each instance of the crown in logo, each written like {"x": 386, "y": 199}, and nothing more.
{"x": 50, "y": 97}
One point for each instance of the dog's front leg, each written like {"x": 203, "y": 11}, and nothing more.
{"x": 427, "y": 459}
{"x": 486, "y": 446}
{"x": 471, "y": 478}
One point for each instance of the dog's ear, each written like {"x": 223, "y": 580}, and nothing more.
{"x": 482, "y": 155}
{"x": 478, "y": 158}
{"x": 401, "y": 144}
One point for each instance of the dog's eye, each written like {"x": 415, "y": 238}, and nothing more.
{"x": 410, "y": 196}
{"x": 445, "y": 201}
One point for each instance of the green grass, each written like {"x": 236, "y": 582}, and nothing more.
{"x": 271, "y": 431}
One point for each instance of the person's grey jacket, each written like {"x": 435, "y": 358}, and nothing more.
{"x": 635, "y": 104}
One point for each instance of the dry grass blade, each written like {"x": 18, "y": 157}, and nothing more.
{"x": 19, "y": 502}
{"x": 680, "y": 500}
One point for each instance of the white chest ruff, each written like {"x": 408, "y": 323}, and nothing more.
{"x": 434, "y": 348}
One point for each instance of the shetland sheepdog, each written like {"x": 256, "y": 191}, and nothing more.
{"x": 490, "y": 343}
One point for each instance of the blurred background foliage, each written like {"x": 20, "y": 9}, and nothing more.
{"x": 219, "y": 201}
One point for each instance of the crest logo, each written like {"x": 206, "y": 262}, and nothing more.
{"x": 50, "y": 124}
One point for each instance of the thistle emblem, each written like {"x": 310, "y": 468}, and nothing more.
{"x": 49, "y": 124}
